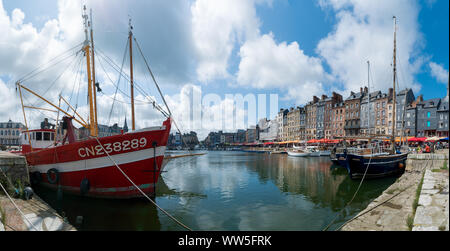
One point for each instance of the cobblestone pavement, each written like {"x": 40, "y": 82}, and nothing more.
{"x": 397, "y": 212}
{"x": 433, "y": 212}
{"x": 40, "y": 214}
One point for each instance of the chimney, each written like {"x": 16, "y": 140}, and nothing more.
{"x": 420, "y": 99}
{"x": 315, "y": 99}
{"x": 366, "y": 90}
{"x": 391, "y": 93}
{"x": 361, "y": 90}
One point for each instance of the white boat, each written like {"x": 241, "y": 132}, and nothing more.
{"x": 324, "y": 153}
{"x": 313, "y": 151}
{"x": 298, "y": 153}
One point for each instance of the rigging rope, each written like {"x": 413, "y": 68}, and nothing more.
{"x": 32, "y": 74}
{"x": 145, "y": 195}
{"x": 153, "y": 77}
{"x": 18, "y": 209}
{"x": 152, "y": 101}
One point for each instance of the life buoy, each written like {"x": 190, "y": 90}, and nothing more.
{"x": 85, "y": 186}
{"x": 49, "y": 176}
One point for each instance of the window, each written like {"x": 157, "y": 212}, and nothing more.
{"x": 408, "y": 115}
{"x": 428, "y": 123}
{"x": 428, "y": 114}
{"x": 46, "y": 136}
{"x": 38, "y": 135}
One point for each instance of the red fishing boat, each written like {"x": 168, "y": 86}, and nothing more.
{"x": 95, "y": 166}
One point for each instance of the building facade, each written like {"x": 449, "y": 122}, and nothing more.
{"x": 403, "y": 100}
{"x": 352, "y": 112}
{"x": 427, "y": 120}
{"x": 10, "y": 133}
{"x": 328, "y": 113}
{"x": 311, "y": 118}
{"x": 442, "y": 117}
{"x": 338, "y": 120}
{"x": 268, "y": 130}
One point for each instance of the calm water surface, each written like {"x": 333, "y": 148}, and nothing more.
{"x": 232, "y": 191}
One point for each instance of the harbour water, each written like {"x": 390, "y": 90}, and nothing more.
{"x": 233, "y": 191}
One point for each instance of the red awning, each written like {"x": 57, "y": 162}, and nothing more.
{"x": 414, "y": 139}
{"x": 268, "y": 143}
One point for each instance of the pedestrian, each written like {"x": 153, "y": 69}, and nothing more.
{"x": 427, "y": 149}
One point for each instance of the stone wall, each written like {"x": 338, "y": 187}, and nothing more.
{"x": 15, "y": 168}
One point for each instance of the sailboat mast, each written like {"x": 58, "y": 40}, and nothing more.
{"x": 93, "y": 75}
{"x": 394, "y": 78}
{"x": 130, "y": 36}
{"x": 92, "y": 122}
{"x": 368, "y": 98}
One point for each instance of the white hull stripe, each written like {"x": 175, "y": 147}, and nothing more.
{"x": 103, "y": 190}
{"x": 100, "y": 162}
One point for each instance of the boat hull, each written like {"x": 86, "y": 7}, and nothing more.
{"x": 139, "y": 155}
{"x": 379, "y": 166}
{"x": 325, "y": 153}
{"x": 314, "y": 154}
{"x": 297, "y": 154}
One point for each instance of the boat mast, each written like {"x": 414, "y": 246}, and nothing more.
{"x": 92, "y": 122}
{"x": 93, "y": 74}
{"x": 394, "y": 78}
{"x": 368, "y": 98}
{"x": 130, "y": 37}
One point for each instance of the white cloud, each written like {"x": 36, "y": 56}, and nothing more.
{"x": 216, "y": 27}
{"x": 23, "y": 47}
{"x": 265, "y": 64}
{"x": 438, "y": 72}
{"x": 364, "y": 31}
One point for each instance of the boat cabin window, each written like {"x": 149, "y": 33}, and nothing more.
{"x": 53, "y": 136}
{"x": 46, "y": 136}
{"x": 39, "y": 136}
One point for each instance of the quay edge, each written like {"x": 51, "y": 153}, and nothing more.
{"x": 35, "y": 210}
{"x": 400, "y": 213}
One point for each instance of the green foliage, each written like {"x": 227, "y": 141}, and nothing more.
{"x": 410, "y": 222}
{"x": 20, "y": 188}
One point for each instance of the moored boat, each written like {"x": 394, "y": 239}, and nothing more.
{"x": 85, "y": 166}
{"x": 382, "y": 163}
{"x": 297, "y": 153}
{"x": 377, "y": 165}
{"x": 119, "y": 166}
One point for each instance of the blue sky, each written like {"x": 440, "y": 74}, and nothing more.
{"x": 292, "y": 48}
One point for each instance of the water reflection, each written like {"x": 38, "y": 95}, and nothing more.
{"x": 235, "y": 191}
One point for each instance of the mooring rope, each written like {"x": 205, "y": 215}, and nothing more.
{"x": 145, "y": 195}
{"x": 359, "y": 215}
{"x": 18, "y": 209}
{"x": 354, "y": 195}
